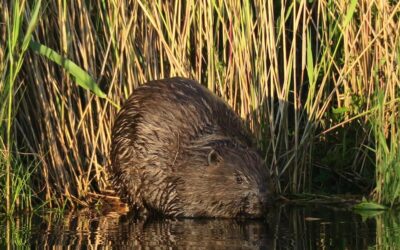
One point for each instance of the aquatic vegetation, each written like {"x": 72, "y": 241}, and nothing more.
{"x": 303, "y": 74}
{"x": 386, "y": 124}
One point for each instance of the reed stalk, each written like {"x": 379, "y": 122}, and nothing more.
{"x": 302, "y": 74}
{"x": 17, "y": 44}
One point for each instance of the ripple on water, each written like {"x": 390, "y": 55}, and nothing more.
{"x": 290, "y": 227}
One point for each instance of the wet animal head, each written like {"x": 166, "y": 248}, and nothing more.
{"x": 223, "y": 178}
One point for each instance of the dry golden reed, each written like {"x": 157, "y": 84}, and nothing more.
{"x": 296, "y": 71}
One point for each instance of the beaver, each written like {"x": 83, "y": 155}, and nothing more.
{"x": 178, "y": 150}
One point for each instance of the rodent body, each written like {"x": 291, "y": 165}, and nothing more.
{"x": 179, "y": 150}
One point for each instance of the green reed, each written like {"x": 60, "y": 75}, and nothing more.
{"x": 302, "y": 74}
{"x": 387, "y": 149}
{"x": 13, "y": 54}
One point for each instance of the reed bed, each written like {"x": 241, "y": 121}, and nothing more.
{"x": 304, "y": 75}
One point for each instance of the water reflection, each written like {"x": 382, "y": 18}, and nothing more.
{"x": 122, "y": 232}
{"x": 285, "y": 228}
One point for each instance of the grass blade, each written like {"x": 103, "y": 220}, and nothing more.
{"x": 350, "y": 13}
{"x": 82, "y": 78}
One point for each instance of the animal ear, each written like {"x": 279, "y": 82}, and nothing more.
{"x": 213, "y": 157}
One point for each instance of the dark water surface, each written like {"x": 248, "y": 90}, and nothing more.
{"x": 288, "y": 227}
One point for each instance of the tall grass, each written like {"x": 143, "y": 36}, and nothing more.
{"x": 387, "y": 137}
{"x": 13, "y": 55}
{"x": 301, "y": 73}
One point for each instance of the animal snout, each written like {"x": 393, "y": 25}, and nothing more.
{"x": 256, "y": 205}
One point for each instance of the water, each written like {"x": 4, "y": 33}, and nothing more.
{"x": 287, "y": 227}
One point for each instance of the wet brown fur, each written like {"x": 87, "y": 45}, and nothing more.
{"x": 179, "y": 150}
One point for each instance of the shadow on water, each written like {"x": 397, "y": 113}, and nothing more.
{"x": 289, "y": 227}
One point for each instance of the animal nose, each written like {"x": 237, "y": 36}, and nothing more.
{"x": 263, "y": 199}
{"x": 266, "y": 197}
{"x": 258, "y": 201}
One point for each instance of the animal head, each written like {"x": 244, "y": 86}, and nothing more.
{"x": 222, "y": 178}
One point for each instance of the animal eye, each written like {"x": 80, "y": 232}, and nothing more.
{"x": 239, "y": 179}
{"x": 212, "y": 157}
